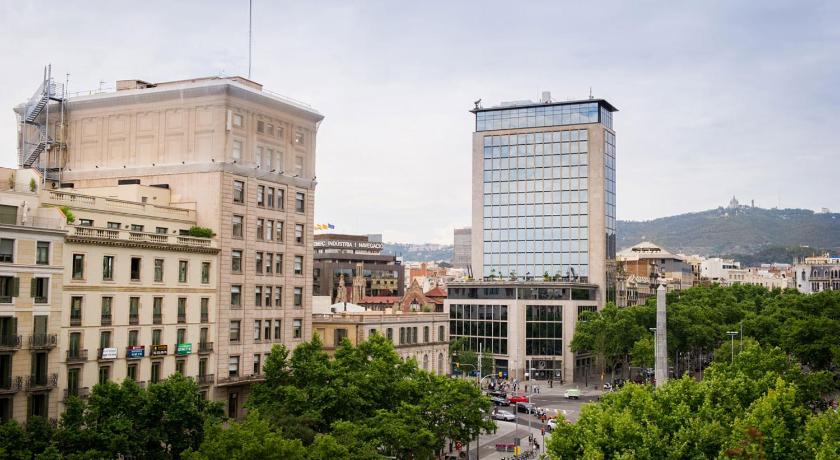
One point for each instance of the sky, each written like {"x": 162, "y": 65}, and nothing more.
{"x": 716, "y": 98}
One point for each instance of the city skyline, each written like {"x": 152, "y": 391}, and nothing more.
{"x": 732, "y": 89}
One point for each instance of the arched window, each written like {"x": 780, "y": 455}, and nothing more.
{"x": 440, "y": 363}
{"x": 425, "y": 362}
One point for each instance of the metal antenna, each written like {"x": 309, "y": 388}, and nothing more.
{"x": 250, "y": 19}
{"x": 590, "y": 92}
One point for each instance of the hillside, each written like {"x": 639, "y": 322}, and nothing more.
{"x": 742, "y": 230}
{"x": 426, "y": 252}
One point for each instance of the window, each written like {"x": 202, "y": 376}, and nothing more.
{"x": 299, "y": 233}
{"x": 269, "y": 262}
{"x": 183, "y": 265}
{"x": 278, "y": 296}
{"x": 205, "y": 309}
{"x": 179, "y": 365}
{"x": 105, "y": 339}
{"x": 299, "y": 165}
{"x": 236, "y": 261}
{"x": 234, "y": 331}
{"x": 238, "y": 120}
{"x": 340, "y": 334}
{"x": 104, "y": 374}
{"x": 260, "y": 126}
{"x": 106, "y": 310}
{"x": 236, "y": 226}
{"x": 298, "y": 265}
{"x": 258, "y": 260}
{"x": 73, "y": 381}
{"x": 258, "y": 296}
{"x": 236, "y": 151}
{"x": 155, "y": 371}
{"x": 267, "y": 291}
{"x": 7, "y": 250}
{"x": 258, "y": 155}
{"x": 276, "y": 329}
{"x": 260, "y": 229}
{"x": 136, "y": 228}
{"x": 86, "y": 222}
{"x": 135, "y": 269}
{"x": 205, "y": 273}
{"x": 78, "y": 266}
{"x": 390, "y": 334}
{"x": 158, "y": 270}
{"x": 297, "y": 328}
{"x": 107, "y": 268}
{"x": 157, "y": 310}
{"x": 269, "y": 197}
{"x": 300, "y": 202}
{"x": 76, "y": 311}
{"x": 161, "y": 230}
{"x": 40, "y": 290}
{"x": 114, "y": 225}
{"x": 281, "y": 198}
{"x": 278, "y": 264}
{"x": 181, "y": 336}
{"x": 425, "y": 334}
{"x": 269, "y": 129}
{"x": 133, "y": 337}
{"x": 260, "y": 195}
{"x": 441, "y": 334}
{"x": 133, "y": 310}
{"x": 238, "y": 191}
{"x": 235, "y": 296}
{"x": 299, "y": 137}
{"x": 257, "y": 364}
{"x": 233, "y": 366}
{"x": 298, "y": 302}
{"x": 156, "y": 333}
{"x": 131, "y": 372}
{"x": 182, "y": 310}
{"x": 257, "y": 329}
{"x": 42, "y": 254}
{"x": 269, "y": 230}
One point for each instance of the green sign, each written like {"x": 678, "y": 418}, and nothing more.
{"x": 183, "y": 349}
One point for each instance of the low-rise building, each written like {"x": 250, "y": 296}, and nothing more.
{"x": 716, "y": 269}
{"x": 422, "y": 336}
{"x": 643, "y": 267}
{"x": 31, "y": 279}
{"x": 139, "y": 290}
{"x": 816, "y": 274}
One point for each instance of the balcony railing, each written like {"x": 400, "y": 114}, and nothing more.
{"x": 182, "y": 318}
{"x": 9, "y": 342}
{"x": 206, "y": 379}
{"x": 133, "y": 319}
{"x": 43, "y": 341}
{"x": 5, "y": 298}
{"x": 77, "y": 356}
{"x": 11, "y": 384}
{"x": 157, "y": 319}
{"x": 75, "y": 320}
{"x": 41, "y": 382}
{"x": 240, "y": 379}
{"x": 106, "y": 321}
{"x": 41, "y": 299}
{"x": 77, "y": 392}
{"x": 114, "y": 234}
{"x": 205, "y": 348}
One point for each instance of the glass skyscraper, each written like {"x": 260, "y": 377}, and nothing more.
{"x": 544, "y": 192}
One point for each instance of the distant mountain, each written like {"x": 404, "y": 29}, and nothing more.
{"x": 419, "y": 252}
{"x": 741, "y": 230}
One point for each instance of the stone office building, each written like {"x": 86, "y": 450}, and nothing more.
{"x": 244, "y": 159}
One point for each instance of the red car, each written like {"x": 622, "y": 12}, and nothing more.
{"x": 517, "y": 399}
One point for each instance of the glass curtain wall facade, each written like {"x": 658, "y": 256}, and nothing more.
{"x": 536, "y": 211}
{"x": 485, "y": 324}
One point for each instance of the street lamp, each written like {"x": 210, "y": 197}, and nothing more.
{"x": 732, "y": 335}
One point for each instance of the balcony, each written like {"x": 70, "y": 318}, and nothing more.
{"x": 205, "y": 348}
{"x": 77, "y": 356}
{"x": 157, "y": 319}
{"x": 11, "y": 385}
{"x": 76, "y": 320}
{"x": 240, "y": 380}
{"x": 43, "y": 341}
{"x": 82, "y": 393}
{"x": 9, "y": 342}
{"x": 133, "y": 320}
{"x": 41, "y": 382}
{"x": 206, "y": 379}
{"x": 106, "y": 321}
{"x": 116, "y": 237}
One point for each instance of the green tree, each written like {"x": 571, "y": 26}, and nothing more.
{"x": 252, "y": 438}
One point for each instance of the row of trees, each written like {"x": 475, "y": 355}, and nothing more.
{"x": 366, "y": 403}
{"x": 757, "y": 404}
{"x": 806, "y": 326}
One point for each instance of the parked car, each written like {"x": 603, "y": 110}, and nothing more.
{"x": 503, "y": 415}
{"x": 529, "y": 408}
{"x": 497, "y": 401}
{"x": 572, "y": 393}
{"x": 518, "y": 398}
